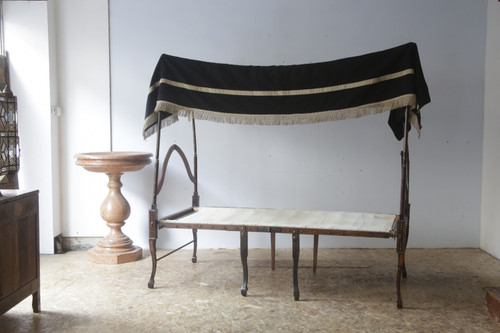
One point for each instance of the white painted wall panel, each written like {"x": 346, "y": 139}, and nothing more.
{"x": 323, "y": 166}
{"x": 490, "y": 209}
{"x": 83, "y": 67}
{"x": 27, "y": 41}
{"x": 348, "y": 165}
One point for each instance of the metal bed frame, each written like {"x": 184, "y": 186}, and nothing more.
{"x": 399, "y": 230}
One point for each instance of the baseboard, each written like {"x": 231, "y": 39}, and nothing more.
{"x": 79, "y": 243}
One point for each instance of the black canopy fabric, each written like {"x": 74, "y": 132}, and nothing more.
{"x": 389, "y": 80}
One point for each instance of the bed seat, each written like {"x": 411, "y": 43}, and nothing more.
{"x": 287, "y": 221}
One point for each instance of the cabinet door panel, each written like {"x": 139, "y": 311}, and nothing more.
{"x": 8, "y": 259}
{"x": 27, "y": 250}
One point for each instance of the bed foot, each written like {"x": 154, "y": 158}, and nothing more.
{"x": 398, "y": 287}
{"x": 194, "y": 259}
{"x": 152, "y": 247}
{"x": 296, "y": 252}
{"x": 244, "y": 289}
{"x": 244, "y": 256}
{"x": 296, "y": 293}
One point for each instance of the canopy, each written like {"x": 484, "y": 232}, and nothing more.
{"x": 389, "y": 80}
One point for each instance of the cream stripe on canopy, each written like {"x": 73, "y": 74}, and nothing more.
{"x": 282, "y": 92}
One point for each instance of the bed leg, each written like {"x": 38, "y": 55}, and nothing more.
{"x": 401, "y": 248}
{"x": 398, "y": 280}
{"x": 244, "y": 256}
{"x": 273, "y": 250}
{"x": 403, "y": 268}
{"x": 315, "y": 252}
{"x": 195, "y": 245}
{"x": 405, "y": 274}
{"x": 153, "y": 236}
{"x": 296, "y": 252}
{"x": 152, "y": 248}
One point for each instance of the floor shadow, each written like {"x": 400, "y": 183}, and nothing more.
{"x": 22, "y": 321}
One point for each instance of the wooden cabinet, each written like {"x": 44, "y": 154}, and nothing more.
{"x": 19, "y": 250}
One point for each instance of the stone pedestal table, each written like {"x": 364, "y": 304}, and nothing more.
{"x": 116, "y": 247}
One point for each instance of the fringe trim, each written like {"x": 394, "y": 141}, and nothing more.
{"x": 278, "y": 119}
{"x": 149, "y": 127}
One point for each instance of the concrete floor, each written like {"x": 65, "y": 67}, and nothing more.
{"x": 352, "y": 291}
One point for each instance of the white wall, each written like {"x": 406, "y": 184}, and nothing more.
{"x": 61, "y": 58}
{"x": 83, "y": 67}
{"x": 490, "y": 208}
{"x": 348, "y": 165}
{"x": 27, "y": 41}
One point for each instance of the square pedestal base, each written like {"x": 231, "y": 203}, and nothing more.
{"x": 98, "y": 256}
